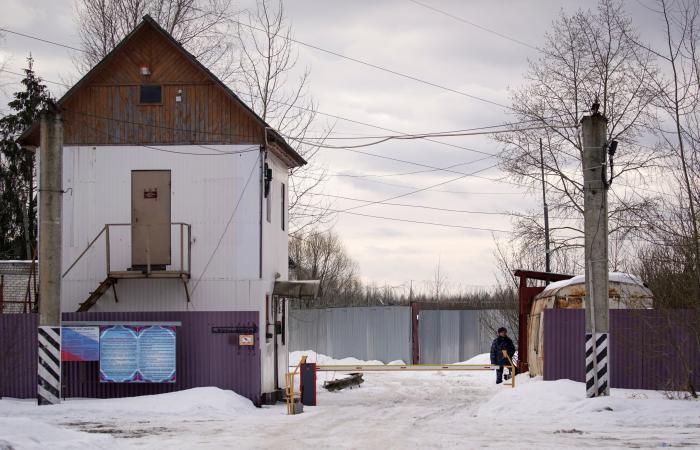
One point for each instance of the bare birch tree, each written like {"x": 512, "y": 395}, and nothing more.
{"x": 588, "y": 56}
{"x": 201, "y": 26}
{"x": 277, "y": 89}
{"x": 677, "y": 127}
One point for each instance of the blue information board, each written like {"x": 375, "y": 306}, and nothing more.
{"x": 137, "y": 354}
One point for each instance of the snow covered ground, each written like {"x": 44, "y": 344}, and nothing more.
{"x": 390, "y": 410}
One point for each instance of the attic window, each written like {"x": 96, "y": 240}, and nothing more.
{"x": 150, "y": 94}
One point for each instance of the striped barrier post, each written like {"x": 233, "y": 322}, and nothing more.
{"x": 597, "y": 375}
{"x": 49, "y": 367}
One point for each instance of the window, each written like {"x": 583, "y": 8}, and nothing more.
{"x": 150, "y": 94}
{"x": 283, "y": 203}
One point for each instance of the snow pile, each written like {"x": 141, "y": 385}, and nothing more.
{"x": 203, "y": 402}
{"x": 565, "y": 401}
{"x": 483, "y": 358}
{"x": 321, "y": 359}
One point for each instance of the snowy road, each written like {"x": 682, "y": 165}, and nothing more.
{"x": 390, "y": 410}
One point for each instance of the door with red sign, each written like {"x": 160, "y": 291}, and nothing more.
{"x": 150, "y": 219}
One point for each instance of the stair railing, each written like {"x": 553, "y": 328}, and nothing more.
{"x": 84, "y": 251}
{"x": 185, "y": 242}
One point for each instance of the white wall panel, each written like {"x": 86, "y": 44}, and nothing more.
{"x": 205, "y": 191}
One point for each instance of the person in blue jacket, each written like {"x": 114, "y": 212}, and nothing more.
{"x": 502, "y": 342}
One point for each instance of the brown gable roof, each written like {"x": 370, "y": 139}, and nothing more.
{"x": 219, "y": 117}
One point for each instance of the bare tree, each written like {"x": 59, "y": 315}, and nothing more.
{"x": 321, "y": 256}
{"x": 588, "y": 56}
{"x": 201, "y": 26}
{"x": 439, "y": 282}
{"x": 677, "y": 127}
{"x": 278, "y": 91}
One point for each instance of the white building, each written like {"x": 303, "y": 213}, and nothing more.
{"x": 176, "y": 194}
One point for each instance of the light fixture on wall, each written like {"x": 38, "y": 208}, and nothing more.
{"x": 145, "y": 70}
{"x": 178, "y": 97}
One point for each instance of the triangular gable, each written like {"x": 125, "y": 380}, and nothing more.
{"x": 103, "y": 107}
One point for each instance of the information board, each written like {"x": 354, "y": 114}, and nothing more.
{"x": 137, "y": 354}
{"x": 80, "y": 343}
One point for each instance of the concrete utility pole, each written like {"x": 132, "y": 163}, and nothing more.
{"x": 50, "y": 244}
{"x": 595, "y": 205}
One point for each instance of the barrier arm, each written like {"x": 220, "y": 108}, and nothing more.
{"x": 511, "y": 367}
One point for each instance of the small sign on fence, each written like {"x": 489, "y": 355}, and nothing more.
{"x": 246, "y": 340}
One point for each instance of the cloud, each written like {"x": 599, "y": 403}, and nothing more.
{"x": 410, "y": 39}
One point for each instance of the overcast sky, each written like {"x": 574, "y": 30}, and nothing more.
{"x": 408, "y": 38}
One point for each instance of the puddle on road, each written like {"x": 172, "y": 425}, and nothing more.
{"x": 123, "y": 431}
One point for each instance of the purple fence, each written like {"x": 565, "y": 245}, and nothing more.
{"x": 649, "y": 349}
{"x": 203, "y": 358}
{"x": 18, "y": 355}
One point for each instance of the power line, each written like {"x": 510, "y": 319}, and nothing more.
{"x": 417, "y": 136}
{"x": 476, "y": 25}
{"x": 415, "y": 206}
{"x": 408, "y": 173}
{"x": 43, "y": 40}
{"x": 426, "y": 135}
{"x": 434, "y": 208}
{"x": 436, "y": 134}
{"x": 217, "y": 151}
{"x": 422, "y": 189}
{"x": 445, "y": 191}
{"x": 334, "y": 116}
{"x": 464, "y": 227}
{"x": 314, "y": 47}
{"x": 381, "y": 68}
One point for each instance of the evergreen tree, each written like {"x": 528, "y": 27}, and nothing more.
{"x": 18, "y": 222}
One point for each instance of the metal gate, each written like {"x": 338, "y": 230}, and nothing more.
{"x": 449, "y": 336}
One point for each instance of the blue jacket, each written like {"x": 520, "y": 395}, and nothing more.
{"x": 499, "y": 344}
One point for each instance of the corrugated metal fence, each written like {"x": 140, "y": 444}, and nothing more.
{"x": 451, "y": 336}
{"x": 203, "y": 358}
{"x": 649, "y": 349}
{"x": 381, "y": 333}
{"x": 18, "y": 355}
{"x": 384, "y": 333}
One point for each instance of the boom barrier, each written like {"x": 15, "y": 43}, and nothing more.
{"x": 292, "y": 396}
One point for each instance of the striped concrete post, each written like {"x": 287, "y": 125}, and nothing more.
{"x": 597, "y": 365}
{"x": 49, "y": 366}
{"x": 50, "y": 246}
{"x": 595, "y": 224}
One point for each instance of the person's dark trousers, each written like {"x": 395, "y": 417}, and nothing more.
{"x": 499, "y": 375}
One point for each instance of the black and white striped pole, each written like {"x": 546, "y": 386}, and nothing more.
{"x": 50, "y": 242}
{"x": 595, "y": 205}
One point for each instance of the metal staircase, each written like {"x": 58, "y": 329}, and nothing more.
{"x": 180, "y": 271}
{"x": 97, "y": 293}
